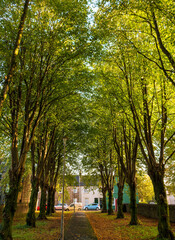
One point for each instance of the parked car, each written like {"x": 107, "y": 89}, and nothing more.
{"x": 38, "y": 208}
{"x": 59, "y": 206}
{"x": 92, "y": 206}
{"x": 152, "y": 203}
{"x": 77, "y": 206}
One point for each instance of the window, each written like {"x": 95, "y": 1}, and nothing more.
{"x": 75, "y": 190}
{"x": 95, "y": 200}
{"x": 75, "y": 200}
{"x": 85, "y": 190}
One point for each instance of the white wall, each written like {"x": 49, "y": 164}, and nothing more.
{"x": 171, "y": 199}
{"x": 88, "y": 195}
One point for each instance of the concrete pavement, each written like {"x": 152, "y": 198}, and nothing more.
{"x": 79, "y": 228}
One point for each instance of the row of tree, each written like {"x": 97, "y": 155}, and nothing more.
{"x": 134, "y": 96}
{"x": 42, "y": 77}
{"x": 110, "y": 85}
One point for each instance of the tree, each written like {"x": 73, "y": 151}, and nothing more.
{"x": 144, "y": 90}
{"x": 127, "y": 158}
{"x": 120, "y": 184}
{"x": 156, "y": 168}
{"x": 46, "y": 75}
{"x": 147, "y": 26}
{"x": 54, "y": 167}
{"x": 13, "y": 64}
{"x": 103, "y": 155}
{"x": 124, "y": 137}
{"x": 42, "y": 146}
{"x": 150, "y": 130}
{"x": 103, "y": 188}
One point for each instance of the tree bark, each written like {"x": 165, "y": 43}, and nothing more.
{"x": 49, "y": 201}
{"x": 31, "y": 219}
{"x": 10, "y": 206}
{"x": 104, "y": 188}
{"x": 120, "y": 185}
{"x": 120, "y": 200}
{"x": 104, "y": 205}
{"x": 42, "y": 214}
{"x": 110, "y": 210}
{"x": 53, "y": 201}
{"x": 133, "y": 204}
{"x": 164, "y": 227}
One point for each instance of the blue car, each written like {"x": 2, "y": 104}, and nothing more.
{"x": 92, "y": 206}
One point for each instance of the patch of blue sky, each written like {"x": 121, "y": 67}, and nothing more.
{"x": 93, "y": 8}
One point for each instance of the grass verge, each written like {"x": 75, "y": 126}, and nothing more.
{"x": 45, "y": 229}
{"x": 109, "y": 228}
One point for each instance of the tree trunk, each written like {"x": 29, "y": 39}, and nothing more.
{"x": 31, "y": 219}
{"x": 133, "y": 204}
{"x": 10, "y": 206}
{"x": 53, "y": 201}
{"x": 49, "y": 201}
{"x": 164, "y": 227}
{"x": 42, "y": 214}
{"x": 104, "y": 205}
{"x": 120, "y": 200}
{"x": 110, "y": 210}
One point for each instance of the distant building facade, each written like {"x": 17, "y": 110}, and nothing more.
{"x": 171, "y": 199}
{"x": 78, "y": 192}
{"x": 126, "y": 195}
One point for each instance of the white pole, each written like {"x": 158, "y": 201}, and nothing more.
{"x": 79, "y": 186}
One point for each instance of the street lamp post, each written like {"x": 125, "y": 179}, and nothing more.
{"x": 79, "y": 186}
{"x": 62, "y": 215}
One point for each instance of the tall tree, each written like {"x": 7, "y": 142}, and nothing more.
{"x": 120, "y": 184}
{"x": 46, "y": 75}
{"x": 156, "y": 168}
{"x": 148, "y": 26}
{"x": 13, "y": 64}
{"x": 43, "y": 147}
{"x": 46, "y": 153}
{"x": 103, "y": 188}
{"x": 145, "y": 94}
{"x": 128, "y": 164}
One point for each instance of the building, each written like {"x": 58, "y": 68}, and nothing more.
{"x": 126, "y": 195}
{"x": 171, "y": 199}
{"x": 77, "y": 191}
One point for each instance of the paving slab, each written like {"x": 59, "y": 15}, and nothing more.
{"x": 79, "y": 228}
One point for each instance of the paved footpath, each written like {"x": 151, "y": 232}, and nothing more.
{"x": 79, "y": 228}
